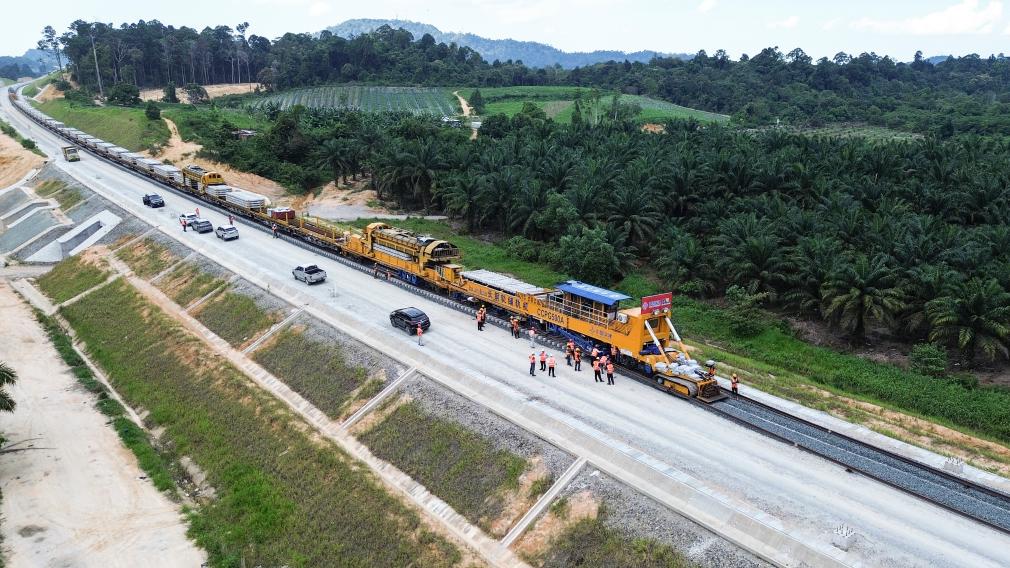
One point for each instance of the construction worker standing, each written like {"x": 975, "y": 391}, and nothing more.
{"x": 515, "y": 327}
{"x": 183, "y": 222}
{"x": 274, "y": 229}
{"x": 568, "y": 355}
{"x": 480, "y": 321}
{"x": 533, "y": 337}
{"x": 419, "y": 332}
{"x": 735, "y": 383}
{"x": 550, "y": 366}
{"x": 610, "y": 372}
{"x": 231, "y": 219}
{"x": 578, "y": 358}
{"x": 596, "y": 371}
{"x": 543, "y": 360}
{"x": 533, "y": 364}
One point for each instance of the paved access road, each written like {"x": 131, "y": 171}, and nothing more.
{"x": 800, "y": 495}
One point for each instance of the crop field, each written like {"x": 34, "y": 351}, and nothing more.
{"x": 558, "y": 103}
{"x": 147, "y": 258}
{"x": 234, "y": 317}
{"x": 318, "y": 371}
{"x": 282, "y": 497}
{"x": 72, "y": 277}
{"x": 454, "y": 463}
{"x": 417, "y": 100}
{"x": 126, "y": 127}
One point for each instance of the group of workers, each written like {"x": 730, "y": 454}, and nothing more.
{"x": 573, "y": 358}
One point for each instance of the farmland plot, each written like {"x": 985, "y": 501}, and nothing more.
{"x": 417, "y": 100}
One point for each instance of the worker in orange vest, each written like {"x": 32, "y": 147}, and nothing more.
{"x": 533, "y": 337}
{"x": 596, "y": 371}
{"x": 568, "y": 354}
{"x": 578, "y": 358}
{"x": 735, "y": 383}
{"x": 543, "y": 360}
{"x": 610, "y": 372}
{"x": 419, "y": 333}
{"x": 550, "y": 366}
{"x": 603, "y": 361}
{"x": 533, "y": 364}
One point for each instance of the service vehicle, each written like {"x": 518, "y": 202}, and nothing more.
{"x": 70, "y": 154}
{"x": 201, "y": 225}
{"x": 309, "y": 274}
{"x": 408, "y": 319}
{"x": 153, "y": 200}
{"x": 226, "y": 232}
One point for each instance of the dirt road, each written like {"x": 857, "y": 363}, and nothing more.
{"x": 467, "y": 112}
{"x": 82, "y": 500}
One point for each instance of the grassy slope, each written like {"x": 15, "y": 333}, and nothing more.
{"x": 589, "y": 542}
{"x": 314, "y": 370}
{"x": 147, "y": 258}
{"x": 187, "y": 283}
{"x": 234, "y": 317}
{"x": 185, "y": 116}
{"x": 126, "y": 127}
{"x": 456, "y": 464}
{"x": 282, "y": 499}
{"x": 70, "y": 278}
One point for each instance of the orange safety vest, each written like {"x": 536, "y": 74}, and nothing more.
{"x": 610, "y": 368}
{"x": 596, "y": 365}
{"x": 550, "y": 362}
{"x": 578, "y": 354}
{"x": 543, "y": 357}
{"x": 419, "y": 330}
{"x": 533, "y": 358}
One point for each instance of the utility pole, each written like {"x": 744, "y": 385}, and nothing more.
{"x": 94, "y": 53}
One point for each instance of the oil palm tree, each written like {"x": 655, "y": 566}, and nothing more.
{"x": 859, "y": 292}
{"x": 8, "y": 376}
{"x": 976, "y": 317}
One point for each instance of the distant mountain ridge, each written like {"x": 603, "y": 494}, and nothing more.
{"x": 31, "y": 60}
{"x": 531, "y": 53}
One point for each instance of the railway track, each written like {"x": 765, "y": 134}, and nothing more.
{"x": 958, "y": 495}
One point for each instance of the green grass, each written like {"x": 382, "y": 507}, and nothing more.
{"x": 478, "y": 253}
{"x": 133, "y": 437}
{"x": 50, "y": 187}
{"x": 126, "y": 127}
{"x": 590, "y": 542}
{"x": 25, "y": 142}
{"x": 70, "y": 278}
{"x": 147, "y": 257}
{"x": 30, "y": 90}
{"x": 189, "y": 118}
{"x": 186, "y": 283}
{"x": 461, "y": 467}
{"x": 234, "y": 317}
{"x": 318, "y": 371}
{"x": 418, "y": 100}
{"x": 282, "y": 498}
{"x": 65, "y": 195}
{"x": 557, "y": 103}
{"x": 874, "y": 133}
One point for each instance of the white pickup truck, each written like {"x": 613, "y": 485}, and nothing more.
{"x": 309, "y": 274}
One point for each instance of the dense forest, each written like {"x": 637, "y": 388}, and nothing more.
{"x": 966, "y": 94}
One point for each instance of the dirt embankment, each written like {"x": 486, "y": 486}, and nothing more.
{"x": 180, "y": 153}
{"x": 15, "y": 161}
{"x": 213, "y": 91}
{"x": 79, "y": 499}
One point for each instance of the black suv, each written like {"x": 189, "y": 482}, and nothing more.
{"x": 408, "y": 318}
{"x": 153, "y": 200}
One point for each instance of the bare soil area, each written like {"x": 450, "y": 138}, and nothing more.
{"x": 180, "y": 153}
{"x": 15, "y": 161}
{"x": 213, "y": 91}
{"x": 48, "y": 93}
{"x": 80, "y": 498}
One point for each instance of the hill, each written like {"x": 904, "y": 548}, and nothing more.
{"x": 531, "y": 53}
{"x": 15, "y": 67}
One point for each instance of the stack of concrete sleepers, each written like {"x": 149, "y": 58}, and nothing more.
{"x": 146, "y": 164}
{"x": 246, "y": 199}
{"x": 167, "y": 173}
{"x": 218, "y": 190}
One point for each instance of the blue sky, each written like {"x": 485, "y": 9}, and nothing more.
{"x": 888, "y": 27}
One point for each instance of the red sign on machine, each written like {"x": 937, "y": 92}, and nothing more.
{"x": 657, "y": 303}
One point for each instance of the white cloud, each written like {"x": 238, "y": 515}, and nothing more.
{"x": 706, "y": 6}
{"x": 965, "y": 17}
{"x": 788, "y": 23}
{"x": 830, "y": 24}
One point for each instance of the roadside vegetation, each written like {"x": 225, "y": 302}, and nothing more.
{"x": 126, "y": 127}
{"x": 147, "y": 257}
{"x": 415, "y": 100}
{"x": 318, "y": 371}
{"x": 590, "y": 542}
{"x": 26, "y": 143}
{"x": 234, "y": 317}
{"x": 461, "y": 467}
{"x": 156, "y": 466}
{"x": 282, "y": 496}
{"x": 66, "y": 195}
{"x": 73, "y": 276}
{"x": 186, "y": 283}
